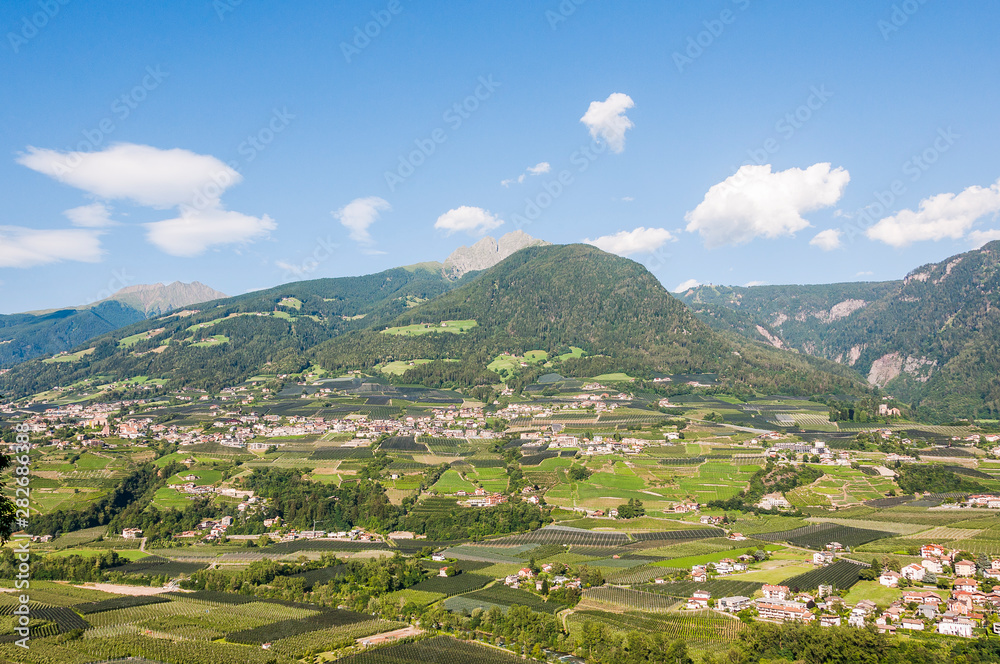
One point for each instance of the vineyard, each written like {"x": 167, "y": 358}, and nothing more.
{"x": 562, "y": 535}
{"x": 636, "y": 600}
{"x": 818, "y": 535}
{"x": 322, "y": 620}
{"x": 438, "y": 650}
{"x": 706, "y": 630}
{"x": 717, "y": 587}
{"x": 503, "y": 597}
{"x": 452, "y": 585}
{"x": 841, "y": 575}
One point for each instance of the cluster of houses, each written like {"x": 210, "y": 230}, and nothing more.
{"x": 937, "y": 559}
{"x": 525, "y": 576}
{"x": 782, "y": 450}
{"x": 959, "y": 614}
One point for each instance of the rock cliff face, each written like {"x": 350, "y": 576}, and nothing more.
{"x": 487, "y": 252}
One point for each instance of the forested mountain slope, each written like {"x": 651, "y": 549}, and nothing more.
{"x": 931, "y": 338}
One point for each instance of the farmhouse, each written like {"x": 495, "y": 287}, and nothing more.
{"x": 955, "y": 626}
{"x": 968, "y": 585}
{"x": 913, "y": 572}
{"x": 889, "y": 579}
{"x": 734, "y": 603}
{"x": 699, "y": 600}
{"x": 934, "y": 551}
{"x": 965, "y": 568}
{"x": 773, "y": 500}
{"x": 775, "y": 592}
{"x": 829, "y": 621}
{"x": 933, "y": 564}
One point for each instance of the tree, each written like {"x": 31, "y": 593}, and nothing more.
{"x": 632, "y": 509}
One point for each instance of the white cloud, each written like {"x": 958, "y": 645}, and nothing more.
{"x": 979, "y": 238}
{"x": 606, "y": 120}
{"x": 159, "y": 179}
{"x": 864, "y": 273}
{"x": 685, "y": 285}
{"x": 26, "y": 247}
{"x": 95, "y": 215}
{"x": 627, "y": 199}
{"x": 827, "y": 240}
{"x": 639, "y": 241}
{"x": 196, "y": 230}
{"x": 939, "y": 217}
{"x": 359, "y": 214}
{"x": 472, "y": 220}
{"x": 756, "y": 202}
{"x": 538, "y": 169}
{"x": 751, "y": 284}
{"x": 140, "y": 173}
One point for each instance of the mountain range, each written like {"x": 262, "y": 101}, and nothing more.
{"x": 37, "y": 333}
{"x": 546, "y": 298}
{"x": 929, "y": 339}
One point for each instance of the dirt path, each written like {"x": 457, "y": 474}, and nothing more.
{"x": 117, "y": 589}
{"x": 385, "y": 637}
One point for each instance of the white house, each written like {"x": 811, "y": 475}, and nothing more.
{"x": 913, "y": 572}
{"x": 889, "y": 579}
{"x": 955, "y": 626}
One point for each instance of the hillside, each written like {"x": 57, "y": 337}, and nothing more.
{"x": 237, "y": 337}
{"x": 930, "y": 339}
{"x": 547, "y": 298}
{"x": 34, "y": 334}
{"x": 551, "y": 298}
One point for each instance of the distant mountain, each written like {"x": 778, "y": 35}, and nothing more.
{"x": 931, "y": 339}
{"x": 229, "y": 340}
{"x": 34, "y": 334}
{"x": 157, "y": 299}
{"x": 487, "y": 252}
{"x": 540, "y": 298}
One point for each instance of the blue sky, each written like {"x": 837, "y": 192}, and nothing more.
{"x": 247, "y": 144}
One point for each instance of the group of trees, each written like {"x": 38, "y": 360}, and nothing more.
{"x": 632, "y": 509}
{"x": 772, "y": 478}
{"x": 933, "y": 478}
{"x": 124, "y": 502}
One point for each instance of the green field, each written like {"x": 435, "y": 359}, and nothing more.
{"x": 447, "y": 326}
{"x": 68, "y": 357}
